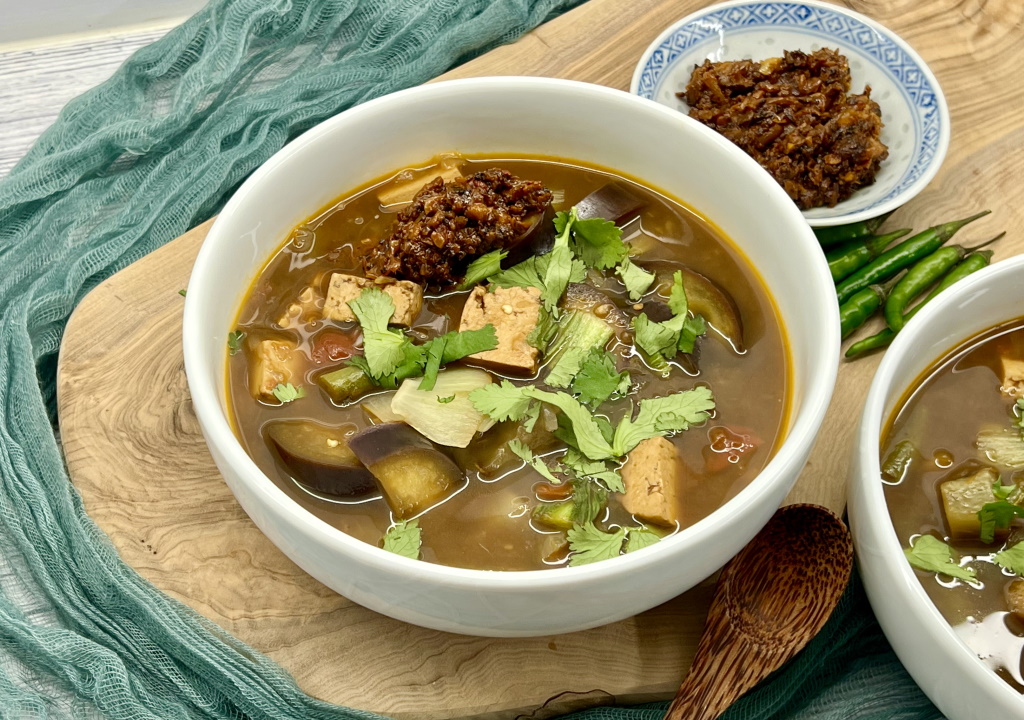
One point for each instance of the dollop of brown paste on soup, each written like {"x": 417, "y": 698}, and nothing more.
{"x": 448, "y": 224}
{"x": 794, "y": 116}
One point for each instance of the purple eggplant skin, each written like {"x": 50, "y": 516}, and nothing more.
{"x": 318, "y": 457}
{"x": 539, "y": 239}
{"x": 414, "y": 475}
{"x": 614, "y": 201}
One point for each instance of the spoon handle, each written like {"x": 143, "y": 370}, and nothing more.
{"x": 724, "y": 668}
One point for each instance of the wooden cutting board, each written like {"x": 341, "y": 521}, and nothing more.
{"x": 136, "y": 455}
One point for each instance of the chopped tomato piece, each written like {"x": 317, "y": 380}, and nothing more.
{"x": 331, "y": 345}
{"x": 729, "y": 447}
{"x": 549, "y": 492}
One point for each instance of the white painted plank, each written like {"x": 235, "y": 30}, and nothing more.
{"x": 36, "y": 82}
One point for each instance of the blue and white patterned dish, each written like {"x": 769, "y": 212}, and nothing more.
{"x": 914, "y": 111}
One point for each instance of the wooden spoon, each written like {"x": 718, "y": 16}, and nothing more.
{"x": 771, "y": 599}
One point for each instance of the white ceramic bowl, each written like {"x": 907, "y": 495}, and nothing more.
{"x": 948, "y": 671}
{"x": 524, "y": 116}
{"x": 914, "y": 111}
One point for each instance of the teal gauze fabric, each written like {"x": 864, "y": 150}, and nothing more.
{"x": 133, "y": 164}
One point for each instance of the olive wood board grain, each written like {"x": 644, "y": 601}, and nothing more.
{"x": 136, "y": 455}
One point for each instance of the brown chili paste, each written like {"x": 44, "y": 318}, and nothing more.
{"x": 450, "y": 223}
{"x": 795, "y": 117}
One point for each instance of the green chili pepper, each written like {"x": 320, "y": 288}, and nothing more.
{"x": 923, "y": 274}
{"x": 970, "y": 264}
{"x": 856, "y": 311}
{"x": 849, "y": 257}
{"x": 895, "y": 259}
{"x": 828, "y": 236}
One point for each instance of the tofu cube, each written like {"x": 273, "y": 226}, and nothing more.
{"x": 962, "y": 498}
{"x": 273, "y": 363}
{"x": 652, "y": 475}
{"x": 407, "y": 296}
{"x": 1015, "y": 598}
{"x": 1013, "y": 377}
{"x": 514, "y": 312}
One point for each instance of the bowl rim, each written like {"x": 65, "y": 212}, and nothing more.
{"x": 800, "y": 438}
{"x": 875, "y": 521}
{"x": 934, "y": 164}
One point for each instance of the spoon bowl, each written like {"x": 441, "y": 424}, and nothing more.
{"x": 771, "y": 599}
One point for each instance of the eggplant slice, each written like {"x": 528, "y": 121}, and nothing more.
{"x": 412, "y": 472}
{"x": 319, "y": 457}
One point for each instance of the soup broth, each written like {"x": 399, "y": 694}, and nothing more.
{"x": 490, "y": 520}
{"x": 958, "y": 431}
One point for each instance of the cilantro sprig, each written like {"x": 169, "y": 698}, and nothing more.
{"x": 286, "y": 393}
{"x": 579, "y": 244}
{"x": 678, "y": 334}
{"x": 595, "y": 241}
{"x": 657, "y": 416}
{"x": 389, "y": 356}
{"x": 597, "y": 379}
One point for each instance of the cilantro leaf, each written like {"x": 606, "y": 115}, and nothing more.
{"x": 454, "y": 346}
{"x": 501, "y": 401}
{"x": 660, "y": 416}
{"x": 435, "y": 354}
{"x": 597, "y": 242}
{"x": 677, "y": 295}
{"x": 597, "y": 380}
{"x": 678, "y": 334}
{"x": 445, "y": 400}
{"x": 531, "y": 417}
{"x": 559, "y": 270}
{"x": 533, "y": 272}
{"x": 183, "y": 292}
{"x": 1012, "y": 558}
{"x": 588, "y": 501}
{"x": 404, "y": 538}
{"x": 599, "y": 470}
{"x": 589, "y": 438}
{"x": 482, "y": 268}
{"x": 693, "y": 328}
{"x": 1003, "y": 492}
{"x": 383, "y": 348}
{"x": 525, "y": 274}
{"x": 526, "y": 455}
{"x": 635, "y": 278}
{"x": 932, "y": 555}
{"x": 458, "y": 345}
{"x": 588, "y": 544}
{"x": 655, "y": 338}
{"x": 997, "y": 516}
{"x": 235, "y": 338}
{"x": 288, "y": 393}
{"x": 637, "y": 538}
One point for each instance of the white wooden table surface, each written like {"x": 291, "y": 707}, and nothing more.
{"x": 38, "y": 78}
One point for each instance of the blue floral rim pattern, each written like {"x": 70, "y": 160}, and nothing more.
{"x": 886, "y": 53}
